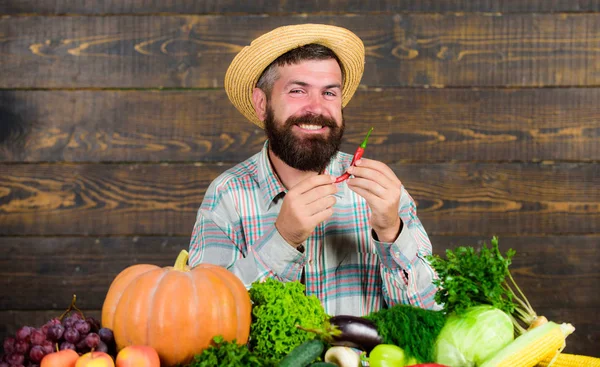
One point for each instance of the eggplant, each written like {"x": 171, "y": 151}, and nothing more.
{"x": 356, "y": 332}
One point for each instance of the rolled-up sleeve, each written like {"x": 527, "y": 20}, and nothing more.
{"x": 218, "y": 238}
{"x": 406, "y": 274}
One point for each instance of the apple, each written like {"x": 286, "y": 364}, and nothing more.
{"x": 138, "y": 356}
{"x": 63, "y": 358}
{"x": 95, "y": 359}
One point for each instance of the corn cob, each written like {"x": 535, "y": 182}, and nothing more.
{"x": 570, "y": 360}
{"x": 530, "y": 348}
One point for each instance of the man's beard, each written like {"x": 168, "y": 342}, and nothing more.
{"x": 304, "y": 153}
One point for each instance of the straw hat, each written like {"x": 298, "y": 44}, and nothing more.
{"x": 249, "y": 64}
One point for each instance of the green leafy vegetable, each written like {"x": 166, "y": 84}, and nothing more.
{"x": 469, "y": 277}
{"x": 229, "y": 354}
{"x": 277, "y": 309}
{"x": 470, "y": 338}
{"x": 412, "y": 328}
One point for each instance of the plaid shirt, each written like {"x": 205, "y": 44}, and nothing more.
{"x": 345, "y": 267}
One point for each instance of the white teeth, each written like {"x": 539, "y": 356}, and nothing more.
{"x": 310, "y": 127}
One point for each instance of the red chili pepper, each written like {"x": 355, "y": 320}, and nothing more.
{"x": 357, "y": 155}
{"x": 342, "y": 177}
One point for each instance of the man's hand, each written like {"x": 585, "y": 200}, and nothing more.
{"x": 378, "y": 184}
{"x": 306, "y": 205}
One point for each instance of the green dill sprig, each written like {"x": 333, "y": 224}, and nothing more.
{"x": 412, "y": 328}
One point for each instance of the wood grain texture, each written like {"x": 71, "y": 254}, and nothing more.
{"x": 403, "y": 50}
{"x": 159, "y": 199}
{"x": 122, "y": 199}
{"x": 423, "y": 125}
{"x": 293, "y": 6}
{"x": 85, "y": 266}
{"x": 558, "y": 274}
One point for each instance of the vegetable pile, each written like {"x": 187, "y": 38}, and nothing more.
{"x": 484, "y": 313}
{"x": 470, "y": 277}
{"x": 474, "y": 283}
{"x": 485, "y": 321}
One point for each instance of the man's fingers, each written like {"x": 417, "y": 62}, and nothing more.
{"x": 369, "y": 176}
{"x": 322, "y": 215}
{"x": 318, "y": 206}
{"x": 371, "y": 198}
{"x": 318, "y": 193}
{"x": 312, "y": 182}
{"x": 369, "y": 187}
{"x": 381, "y": 167}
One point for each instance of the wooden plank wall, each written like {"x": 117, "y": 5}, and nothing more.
{"x": 113, "y": 121}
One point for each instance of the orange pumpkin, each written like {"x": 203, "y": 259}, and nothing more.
{"x": 176, "y": 310}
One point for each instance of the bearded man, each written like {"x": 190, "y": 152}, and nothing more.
{"x": 357, "y": 245}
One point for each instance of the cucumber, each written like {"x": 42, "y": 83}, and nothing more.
{"x": 303, "y": 355}
{"x": 323, "y": 364}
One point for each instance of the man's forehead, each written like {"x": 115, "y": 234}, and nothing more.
{"x": 307, "y": 69}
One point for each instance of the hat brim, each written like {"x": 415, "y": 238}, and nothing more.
{"x": 248, "y": 65}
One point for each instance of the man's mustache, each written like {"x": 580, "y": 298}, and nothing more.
{"x": 311, "y": 119}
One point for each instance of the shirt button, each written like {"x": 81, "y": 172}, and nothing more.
{"x": 310, "y": 261}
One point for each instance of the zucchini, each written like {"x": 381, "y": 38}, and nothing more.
{"x": 304, "y": 354}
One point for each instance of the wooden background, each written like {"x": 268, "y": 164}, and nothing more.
{"x": 113, "y": 121}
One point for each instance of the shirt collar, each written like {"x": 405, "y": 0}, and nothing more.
{"x": 270, "y": 185}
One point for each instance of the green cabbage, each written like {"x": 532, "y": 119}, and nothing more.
{"x": 469, "y": 339}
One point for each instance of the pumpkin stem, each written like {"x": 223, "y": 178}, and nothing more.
{"x": 180, "y": 263}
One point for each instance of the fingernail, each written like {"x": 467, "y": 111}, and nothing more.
{"x": 350, "y": 169}
{"x": 358, "y": 162}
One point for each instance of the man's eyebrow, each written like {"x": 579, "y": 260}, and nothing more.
{"x": 297, "y": 82}
{"x": 304, "y": 84}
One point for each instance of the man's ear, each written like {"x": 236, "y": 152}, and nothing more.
{"x": 259, "y": 101}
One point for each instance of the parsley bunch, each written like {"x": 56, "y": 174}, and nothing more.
{"x": 470, "y": 277}
{"x": 228, "y": 354}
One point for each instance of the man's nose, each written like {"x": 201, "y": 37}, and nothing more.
{"x": 314, "y": 104}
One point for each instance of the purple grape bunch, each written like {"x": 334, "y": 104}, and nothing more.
{"x": 72, "y": 330}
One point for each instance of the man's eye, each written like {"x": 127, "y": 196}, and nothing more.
{"x": 331, "y": 94}
{"x": 296, "y": 91}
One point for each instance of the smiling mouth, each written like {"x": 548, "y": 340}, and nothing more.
{"x": 310, "y": 127}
